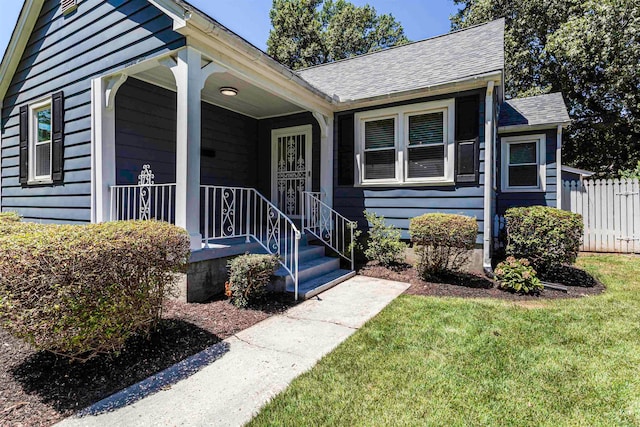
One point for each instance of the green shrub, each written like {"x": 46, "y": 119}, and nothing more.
{"x": 79, "y": 291}
{"x": 518, "y": 275}
{"x": 547, "y": 237}
{"x": 10, "y": 217}
{"x": 383, "y": 244}
{"x": 249, "y": 276}
{"x": 442, "y": 242}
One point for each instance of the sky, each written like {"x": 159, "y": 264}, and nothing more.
{"x": 250, "y": 18}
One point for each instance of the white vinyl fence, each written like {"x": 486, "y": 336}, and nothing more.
{"x": 611, "y": 212}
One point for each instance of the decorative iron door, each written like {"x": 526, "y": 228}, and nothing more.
{"x": 291, "y": 154}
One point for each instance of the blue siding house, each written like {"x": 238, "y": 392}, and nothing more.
{"x": 150, "y": 109}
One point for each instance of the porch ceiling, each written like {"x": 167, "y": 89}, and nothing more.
{"x": 251, "y": 100}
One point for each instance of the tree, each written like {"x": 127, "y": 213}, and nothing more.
{"x": 589, "y": 50}
{"x": 312, "y": 32}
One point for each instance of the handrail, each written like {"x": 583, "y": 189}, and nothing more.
{"x": 244, "y": 212}
{"x": 332, "y": 228}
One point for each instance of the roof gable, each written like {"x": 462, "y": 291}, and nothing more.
{"x": 448, "y": 58}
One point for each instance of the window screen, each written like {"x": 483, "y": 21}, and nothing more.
{"x": 379, "y": 149}
{"x": 426, "y": 146}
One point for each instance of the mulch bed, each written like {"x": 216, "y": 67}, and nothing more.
{"x": 40, "y": 389}
{"x": 477, "y": 285}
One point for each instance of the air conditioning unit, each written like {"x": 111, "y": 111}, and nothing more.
{"x": 68, "y": 6}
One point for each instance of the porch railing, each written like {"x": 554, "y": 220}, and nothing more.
{"x": 243, "y": 212}
{"x": 333, "y": 229}
{"x": 144, "y": 201}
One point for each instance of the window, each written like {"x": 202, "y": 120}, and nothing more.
{"x": 40, "y": 142}
{"x": 411, "y": 144}
{"x": 380, "y": 149}
{"x": 41, "y": 154}
{"x": 523, "y": 163}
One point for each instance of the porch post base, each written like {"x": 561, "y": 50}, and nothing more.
{"x": 196, "y": 241}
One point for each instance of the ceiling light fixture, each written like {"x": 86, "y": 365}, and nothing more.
{"x": 228, "y": 91}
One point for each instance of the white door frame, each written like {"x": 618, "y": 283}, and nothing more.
{"x": 306, "y": 130}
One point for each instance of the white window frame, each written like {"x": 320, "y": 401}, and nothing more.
{"x": 33, "y": 142}
{"x": 541, "y": 151}
{"x": 401, "y": 116}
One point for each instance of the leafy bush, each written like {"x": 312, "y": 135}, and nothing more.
{"x": 384, "y": 244}
{"x": 79, "y": 291}
{"x": 518, "y": 275}
{"x": 249, "y": 276}
{"x": 547, "y": 237}
{"x": 10, "y": 217}
{"x": 442, "y": 242}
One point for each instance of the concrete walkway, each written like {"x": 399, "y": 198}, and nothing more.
{"x": 259, "y": 362}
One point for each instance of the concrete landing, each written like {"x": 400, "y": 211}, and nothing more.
{"x": 259, "y": 362}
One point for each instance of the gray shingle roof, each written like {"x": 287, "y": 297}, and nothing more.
{"x": 454, "y": 56}
{"x": 535, "y": 110}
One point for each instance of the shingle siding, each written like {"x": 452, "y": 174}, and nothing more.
{"x": 65, "y": 53}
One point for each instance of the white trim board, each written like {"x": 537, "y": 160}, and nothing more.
{"x": 541, "y": 154}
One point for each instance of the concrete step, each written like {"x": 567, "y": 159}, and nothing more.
{"x": 307, "y": 270}
{"x": 313, "y": 287}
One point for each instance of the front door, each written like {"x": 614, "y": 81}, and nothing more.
{"x": 291, "y": 168}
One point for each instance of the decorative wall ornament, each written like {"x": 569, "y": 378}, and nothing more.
{"x": 145, "y": 181}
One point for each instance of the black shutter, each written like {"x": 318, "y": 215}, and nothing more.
{"x": 467, "y": 139}
{"x": 57, "y": 137}
{"x": 346, "y": 155}
{"x": 24, "y": 144}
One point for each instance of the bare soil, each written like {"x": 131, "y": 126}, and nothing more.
{"x": 40, "y": 389}
{"x": 477, "y": 285}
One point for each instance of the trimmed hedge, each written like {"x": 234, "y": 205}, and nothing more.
{"x": 546, "y": 236}
{"x": 442, "y": 242}
{"x": 249, "y": 276}
{"x": 79, "y": 291}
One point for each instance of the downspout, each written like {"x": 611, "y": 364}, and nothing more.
{"x": 488, "y": 178}
{"x": 559, "y": 168}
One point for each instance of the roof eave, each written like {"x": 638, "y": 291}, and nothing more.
{"x": 18, "y": 42}
{"x": 193, "y": 23}
{"x": 467, "y": 83}
{"x": 539, "y": 126}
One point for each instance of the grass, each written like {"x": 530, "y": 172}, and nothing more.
{"x": 445, "y": 361}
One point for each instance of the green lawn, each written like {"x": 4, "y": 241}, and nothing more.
{"x": 442, "y": 361}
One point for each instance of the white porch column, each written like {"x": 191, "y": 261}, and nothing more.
{"x": 488, "y": 175}
{"x": 103, "y": 95}
{"x": 326, "y": 156}
{"x": 190, "y": 77}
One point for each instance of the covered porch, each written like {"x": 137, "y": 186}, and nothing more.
{"x": 238, "y": 160}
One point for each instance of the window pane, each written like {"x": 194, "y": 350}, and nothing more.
{"x": 426, "y": 129}
{"x": 44, "y": 125}
{"x": 522, "y": 153}
{"x": 523, "y": 176}
{"x": 426, "y": 162}
{"x": 380, "y": 164}
{"x": 43, "y": 160}
{"x": 379, "y": 134}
